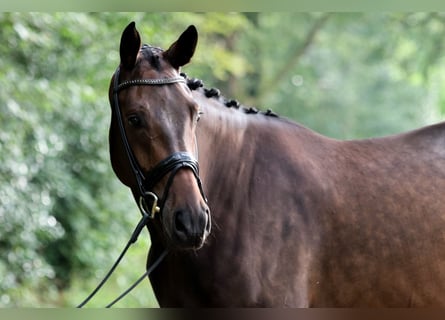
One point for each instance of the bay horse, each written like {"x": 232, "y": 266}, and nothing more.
{"x": 257, "y": 210}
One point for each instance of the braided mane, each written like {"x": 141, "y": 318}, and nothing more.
{"x": 195, "y": 84}
{"x": 151, "y": 54}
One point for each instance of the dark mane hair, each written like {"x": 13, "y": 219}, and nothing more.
{"x": 195, "y": 84}
{"x": 151, "y": 54}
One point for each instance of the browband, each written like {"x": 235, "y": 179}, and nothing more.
{"x": 148, "y": 82}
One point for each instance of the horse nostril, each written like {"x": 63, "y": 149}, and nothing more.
{"x": 191, "y": 228}
{"x": 208, "y": 223}
{"x": 181, "y": 224}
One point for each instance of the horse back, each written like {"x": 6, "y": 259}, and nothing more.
{"x": 381, "y": 237}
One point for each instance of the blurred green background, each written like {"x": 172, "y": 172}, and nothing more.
{"x": 64, "y": 217}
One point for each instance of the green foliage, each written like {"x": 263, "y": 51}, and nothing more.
{"x": 348, "y": 75}
{"x": 64, "y": 216}
{"x": 56, "y": 181}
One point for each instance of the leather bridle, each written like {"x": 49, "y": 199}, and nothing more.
{"x": 146, "y": 198}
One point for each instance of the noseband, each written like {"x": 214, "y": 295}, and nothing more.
{"x": 147, "y": 199}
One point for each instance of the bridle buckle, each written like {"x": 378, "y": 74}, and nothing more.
{"x": 150, "y": 212}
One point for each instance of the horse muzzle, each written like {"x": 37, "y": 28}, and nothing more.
{"x": 190, "y": 228}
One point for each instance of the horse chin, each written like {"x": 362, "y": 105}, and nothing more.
{"x": 193, "y": 243}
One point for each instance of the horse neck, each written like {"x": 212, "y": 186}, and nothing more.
{"x": 221, "y": 133}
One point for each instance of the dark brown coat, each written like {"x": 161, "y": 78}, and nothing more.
{"x": 298, "y": 219}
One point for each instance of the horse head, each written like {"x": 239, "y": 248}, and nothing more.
{"x": 152, "y": 138}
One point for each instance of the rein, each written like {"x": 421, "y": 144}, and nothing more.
{"x": 132, "y": 240}
{"x": 147, "y": 199}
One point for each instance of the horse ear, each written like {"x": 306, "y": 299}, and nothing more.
{"x": 130, "y": 46}
{"x": 181, "y": 51}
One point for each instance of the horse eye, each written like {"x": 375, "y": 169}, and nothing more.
{"x": 134, "y": 121}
